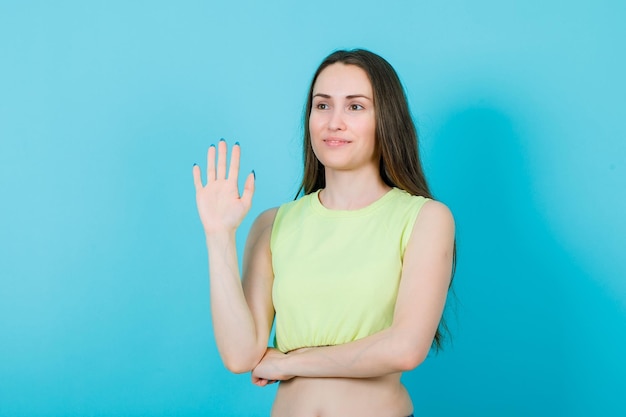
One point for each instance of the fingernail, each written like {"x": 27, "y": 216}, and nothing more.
{"x": 222, "y": 140}
{"x": 254, "y": 174}
{"x": 212, "y": 146}
{"x": 195, "y": 164}
{"x": 237, "y": 143}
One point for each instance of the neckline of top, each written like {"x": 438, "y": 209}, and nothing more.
{"x": 375, "y": 205}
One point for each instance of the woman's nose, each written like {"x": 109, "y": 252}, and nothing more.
{"x": 337, "y": 121}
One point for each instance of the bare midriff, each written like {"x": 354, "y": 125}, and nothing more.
{"x": 382, "y": 396}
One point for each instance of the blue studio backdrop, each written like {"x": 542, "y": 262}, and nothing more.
{"x": 106, "y": 105}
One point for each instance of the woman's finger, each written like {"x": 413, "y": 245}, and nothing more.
{"x": 259, "y": 381}
{"x": 221, "y": 160}
{"x": 233, "y": 171}
{"x": 197, "y": 181}
{"x": 248, "y": 189}
{"x": 210, "y": 164}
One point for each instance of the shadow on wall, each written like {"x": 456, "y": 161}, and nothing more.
{"x": 531, "y": 329}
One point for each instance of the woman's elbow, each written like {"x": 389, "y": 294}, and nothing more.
{"x": 239, "y": 364}
{"x": 237, "y": 367}
{"x": 411, "y": 357}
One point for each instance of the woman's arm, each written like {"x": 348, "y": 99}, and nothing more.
{"x": 241, "y": 319}
{"x": 426, "y": 275}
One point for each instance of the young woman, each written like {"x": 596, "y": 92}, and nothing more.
{"x": 355, "y": 271}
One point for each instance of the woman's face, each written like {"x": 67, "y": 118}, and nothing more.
{"x": 342, "y": 123}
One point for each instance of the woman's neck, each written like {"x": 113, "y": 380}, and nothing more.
{"x": 350, "y": 190}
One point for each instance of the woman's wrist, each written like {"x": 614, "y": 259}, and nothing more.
{"x": 293, "y": 361}
{"x": 219, "y": 237}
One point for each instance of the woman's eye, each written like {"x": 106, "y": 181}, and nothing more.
{"x": 322, "y": 106}
{"x": 356, "y": 107}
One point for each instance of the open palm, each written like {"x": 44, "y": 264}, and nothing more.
{"x": 220, "y": 206}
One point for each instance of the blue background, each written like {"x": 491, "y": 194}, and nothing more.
{"x": 105, "y": 106}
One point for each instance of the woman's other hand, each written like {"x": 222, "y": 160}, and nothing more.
{"x": 270, "y": 369}
{"x": 220, "y": 206}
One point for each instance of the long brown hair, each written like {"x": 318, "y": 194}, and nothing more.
{"x": 396, "y": 136}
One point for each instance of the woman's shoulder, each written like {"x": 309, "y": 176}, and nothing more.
{"x": 418, "y": 210}
{"x": 404, "y": 201}
{"x": 264, "y": 221}
{"x": 267, "y": 218}
{"x": 295, "y": 207}
{"x": 436, "y": 214}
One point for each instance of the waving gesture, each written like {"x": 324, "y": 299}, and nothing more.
{"x": 220, "y": 206}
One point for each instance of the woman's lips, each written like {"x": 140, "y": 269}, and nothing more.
{"x": 336, "y": 142}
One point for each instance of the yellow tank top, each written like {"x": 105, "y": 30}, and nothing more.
{"x": 337, "y": 272}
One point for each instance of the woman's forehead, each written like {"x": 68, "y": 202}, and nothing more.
{"x": 343, "y": 80}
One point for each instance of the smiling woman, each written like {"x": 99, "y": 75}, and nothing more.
{"x": 342, "y": 122}
{"x": 354, "y": 273}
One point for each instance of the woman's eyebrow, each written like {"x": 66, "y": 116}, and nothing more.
{"x": 351, "y": 96}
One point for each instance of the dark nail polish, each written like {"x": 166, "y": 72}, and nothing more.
{"x": 237, "y": 143}
{"x": 212, "y": 146}
{"x": 195, "y": 164}
{"x": 254, "y": 174}
{"x": 222, "y": 140}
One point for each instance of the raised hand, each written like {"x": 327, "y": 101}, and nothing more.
{"x": 220, "y": 206}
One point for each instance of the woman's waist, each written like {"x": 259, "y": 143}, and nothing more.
{"x": 343, "y": 397}
{"x": 303, "y": 337}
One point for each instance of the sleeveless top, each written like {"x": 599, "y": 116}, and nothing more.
{"x": 337, "y": 272}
